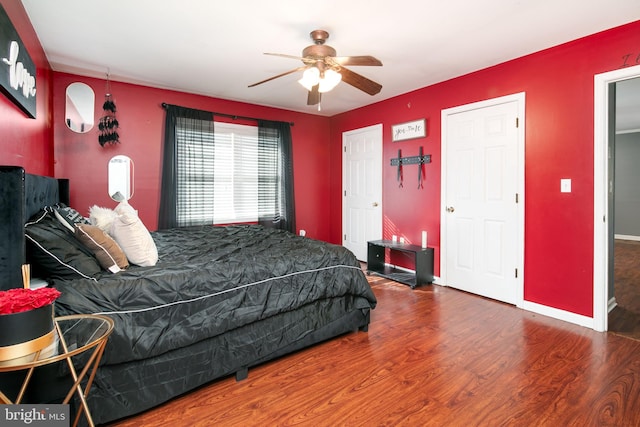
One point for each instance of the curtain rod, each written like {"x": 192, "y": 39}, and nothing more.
{"x": 231, "y": 116}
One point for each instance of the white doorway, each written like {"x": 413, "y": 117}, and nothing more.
{"x": 602, "y": 188}
{"x": 482, "y": 219}
{"x": 361, "y": 188}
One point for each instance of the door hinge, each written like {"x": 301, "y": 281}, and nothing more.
{"x": 516, "y": 197}
{"x": 516, "y": 273}
{"x": 345, "y": 193}
{"x": 517, "y": 122}
{"x": 345, "y": 237}
{"x": 345, "y": 148}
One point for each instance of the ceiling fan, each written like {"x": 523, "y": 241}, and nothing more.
{"x": 323, "y": 70}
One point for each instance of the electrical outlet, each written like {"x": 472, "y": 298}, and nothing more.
{"x": 565, "y": 185}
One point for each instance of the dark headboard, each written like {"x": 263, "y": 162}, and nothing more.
{"x": 21, "y": 196}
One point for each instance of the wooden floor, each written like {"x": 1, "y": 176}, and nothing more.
{"x": 433, "y": 356}
{"x": 624, "y": 319}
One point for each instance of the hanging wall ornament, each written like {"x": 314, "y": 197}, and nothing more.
{"x": 108, "y": 125}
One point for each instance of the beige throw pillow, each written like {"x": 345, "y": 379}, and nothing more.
{"x": 133, "y": 237}
{"x": 109, "y": 254}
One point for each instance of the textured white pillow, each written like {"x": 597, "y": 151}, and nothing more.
{"x": 133, "y": 237}
{"x": 124, "y": 207}
{"x": 102, "y": 218}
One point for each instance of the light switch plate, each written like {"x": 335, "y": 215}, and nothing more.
{"x": 565, "y": 185}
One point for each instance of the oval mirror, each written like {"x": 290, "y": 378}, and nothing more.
{"x": 79, "y": 107}
{"x": 120, "y": 178}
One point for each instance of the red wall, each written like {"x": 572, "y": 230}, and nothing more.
{"x": 559, "y": 142}
{"x": 80, "y": 158}
{"x": 25, "y": 141}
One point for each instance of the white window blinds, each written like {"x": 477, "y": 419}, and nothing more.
{"x": 220, "y": 169}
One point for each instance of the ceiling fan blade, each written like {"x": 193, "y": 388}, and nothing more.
{"x": 365, "y": 60}
{"x": 284, "y": 55}
{"x": 307, "y": 61}
{"x": 359, "y": 82}
{"x": 279, "y": 75}
{"x": 314, "y": 96}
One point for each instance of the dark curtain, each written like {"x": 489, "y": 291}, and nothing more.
{"x": 283, "y": 203}
{"x": 275, "y": 196}
{"x": 169, "y": 190}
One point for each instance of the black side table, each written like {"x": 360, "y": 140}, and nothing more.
{"x": 76, "y": 335}
{"x": 422, "y": 257}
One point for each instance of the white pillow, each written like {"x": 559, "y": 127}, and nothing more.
{"x": 102, "y": 218}
{"x": 124, "y": 207}
{"x": 133, "y": 237}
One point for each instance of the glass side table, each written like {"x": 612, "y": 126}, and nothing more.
{"x": 76, "y": 335}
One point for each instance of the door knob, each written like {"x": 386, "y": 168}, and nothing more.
{"x": 375, "y": 204}
{"x": 450, "y": 209}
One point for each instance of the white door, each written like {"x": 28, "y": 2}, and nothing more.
{"x": 361, "y": 188}
{"x": 483, "y": 198}
{"x": 602, "y": 191}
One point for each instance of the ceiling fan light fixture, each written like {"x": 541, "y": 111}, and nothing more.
{"x": 310, "y": 78}
{"x": 330, "y": 80}
{"x": 323, "y": 70}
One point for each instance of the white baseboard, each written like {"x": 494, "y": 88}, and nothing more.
{"x": 626, "y": 237}
{"x": 556, "y": 313}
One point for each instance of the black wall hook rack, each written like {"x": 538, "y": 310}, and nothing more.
{"x": 419, "y": 160}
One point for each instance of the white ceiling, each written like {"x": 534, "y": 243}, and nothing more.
{"x": 216, "y": 48}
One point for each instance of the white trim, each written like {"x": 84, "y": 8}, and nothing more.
{"x": 623, "y": 132}
{"x": 600, "y": 201}
{"x": 556, "y": 313}
{"x": 626, "y": 237}
{"x": 520, "y": 98}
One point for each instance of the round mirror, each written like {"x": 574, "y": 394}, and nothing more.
{"x": 120, "y": 178}
{"x": 79, "y": 107}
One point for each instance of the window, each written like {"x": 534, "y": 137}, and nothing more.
{"x": 220, "y": 171}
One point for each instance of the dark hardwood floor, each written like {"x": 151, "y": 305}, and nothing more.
{"x": 433, "y": 356}
{"x": 624, "y": 319}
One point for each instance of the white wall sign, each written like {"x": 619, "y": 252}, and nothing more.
{"x": 17, "y": 71}
{"x": 409, "y": 130}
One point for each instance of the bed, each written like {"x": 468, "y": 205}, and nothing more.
{"x": 218, "y": 301}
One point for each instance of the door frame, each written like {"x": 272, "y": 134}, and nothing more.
{"x": 379, "y": 128}
{"x": 520, "y": 99}
{"x": 600, "y": 193}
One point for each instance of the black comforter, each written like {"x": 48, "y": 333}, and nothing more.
{"x": 211, "y": 280}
